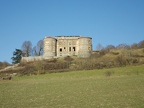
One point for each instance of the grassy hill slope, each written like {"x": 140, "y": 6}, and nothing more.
{"x": 116, "y": 87}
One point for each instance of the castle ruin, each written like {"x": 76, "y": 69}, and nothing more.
{"x": 61, "y": 46}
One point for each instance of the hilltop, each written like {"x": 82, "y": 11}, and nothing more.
{"x": 105, "y": 58}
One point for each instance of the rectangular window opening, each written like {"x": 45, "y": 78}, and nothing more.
{"x": 64, "y": 48}
{"x": 60, "y": 49}
{"x": 74, "y": 49}
{"x": 69, "y": 48}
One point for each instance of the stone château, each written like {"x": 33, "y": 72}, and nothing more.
{"x": 67, "y": 46}
{"x": 61, "y": 46}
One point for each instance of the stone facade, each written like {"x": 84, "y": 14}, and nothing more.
{"x": 67, "y": 46}
{"x": 61, "y": 46}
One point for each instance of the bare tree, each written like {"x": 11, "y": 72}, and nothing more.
{"x": 34, "y": 51}
{"x": 109, "y": 47}
{"x": 120, "y": 46}
{"x": 40, "y": 47}
{"x": 27, "y": 48}
{"x": 99, "y": 47}
{"x": 141, "y": 44}
{"x": 134, "y": 46}
{"x": 4, "y": 64}
{"x": 38, "y": 50}
{"x": 127, "y": 47}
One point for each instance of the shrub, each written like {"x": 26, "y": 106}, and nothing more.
{"x": 28, "y": 70}
{"x": 121, "y": 60}
{"x": 135, "y": 60}
{"x": 39, "y": 67}
{"x": 68, "y": 59}
{"x": 54, "y": 60}
{"x": 104, "y": 51}
{"x": 108, "y": 73}
{"x": 4, "y": 64}
{"x": 115, "y": 53}
{"x": 143, "y": 50}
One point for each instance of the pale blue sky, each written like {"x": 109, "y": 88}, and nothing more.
{"x": 106, "y": 21}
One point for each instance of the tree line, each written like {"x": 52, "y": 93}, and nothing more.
{"x": 121, "y": 46}
{"x": 27, "y": 50}
{"x": 106, "y": 57}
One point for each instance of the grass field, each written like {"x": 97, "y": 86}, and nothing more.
{"x": 123, "y": 88}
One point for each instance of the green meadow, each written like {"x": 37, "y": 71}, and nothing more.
{"x": 121, "y": 87}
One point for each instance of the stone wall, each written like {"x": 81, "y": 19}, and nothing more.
{"x": 61, "y": 46}
{"x": 34, "y": 58}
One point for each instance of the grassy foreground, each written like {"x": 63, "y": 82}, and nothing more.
{"x": 123, "y": 88}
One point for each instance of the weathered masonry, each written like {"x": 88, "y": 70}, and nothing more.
{"x": 60, "y": 46}
{"x": 67, "y": 46}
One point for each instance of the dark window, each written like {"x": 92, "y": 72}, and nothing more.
{"x": 74, "y": 49}
{"x": 60, "y": 49}
{"x": 64, "y": 48}
{"x": 69, "y": 48}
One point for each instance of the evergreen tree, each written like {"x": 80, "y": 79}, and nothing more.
{"x": 17, "y": 55}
